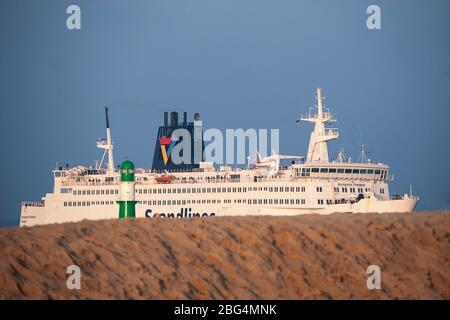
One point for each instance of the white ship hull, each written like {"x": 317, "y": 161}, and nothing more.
{"x": 38, "y": 215}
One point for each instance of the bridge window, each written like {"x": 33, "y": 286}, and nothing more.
{"x": 377, "y": 171}
{"x": 324, "y": 170}
{"x": 332, "y": 170}
{"x": 314, "y": 169}
{"x": 355, "y": 170}
{"x": 348, "y": 170}
{"x": 340, "y": 170}
{"x": 370, "y": 171}
{"x": 363, "y": 171}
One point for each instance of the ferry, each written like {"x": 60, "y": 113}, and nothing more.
{"x": 308, "y": 185}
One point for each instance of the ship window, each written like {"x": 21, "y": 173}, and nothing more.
{"x": 382, "y": 191}
{"x": 324, "y": 170}
{"x": 303, "y": 189}
{"x": 319, "y": 189}
{"x": 355, "y": 170}
{"x": 65, "y": 204}
{"x": 336, "y": 189}
{"x": 348, "y": 170}
{"x": 314, "y": 169}
{"x": 332, "y": 170}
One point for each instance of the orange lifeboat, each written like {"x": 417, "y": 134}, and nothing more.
{"x": 165, "y": 179}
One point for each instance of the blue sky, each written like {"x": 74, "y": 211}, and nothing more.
{"x": 241, "y": 64}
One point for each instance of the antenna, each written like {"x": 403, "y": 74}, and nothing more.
{"x": 107, "y": 118}
{"x": 362, "y": 156}
{"x": 107, "y": 145}
{"x": 341, "y": 156}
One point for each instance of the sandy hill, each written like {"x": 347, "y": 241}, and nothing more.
{"x": 302, "y": 257}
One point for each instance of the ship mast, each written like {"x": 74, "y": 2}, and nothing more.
{"x": 107, "y": 145}
{"x": 318, "y": 147}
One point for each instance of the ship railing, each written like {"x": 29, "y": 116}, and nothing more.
{"x": 215, "y": 181}
{"x": 32, "y": 204}
{"x": 400, "y": 197}
{"x": 89, "y": 183}
{"x": 348, "y": 176}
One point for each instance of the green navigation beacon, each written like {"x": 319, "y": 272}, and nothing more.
{"x": 127, "y": 203}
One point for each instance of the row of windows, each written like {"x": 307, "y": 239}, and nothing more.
{"x": 93, "y": 192}
{"x": 216, "y": 190}
{"x": 209, "y": 201}
{"x": 339, "y": 170}
{"x": 352, "y": 189}
{"x": 329, "y": 201}
{"x": 87, "y": 203}
{"x": 221, "y": 190}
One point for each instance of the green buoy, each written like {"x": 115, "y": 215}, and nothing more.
{"x": 127, "y": 203}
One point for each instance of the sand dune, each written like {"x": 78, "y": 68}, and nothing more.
{"x": 303, "y": 257}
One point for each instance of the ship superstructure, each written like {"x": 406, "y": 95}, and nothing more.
{"x": 308, "y": 185}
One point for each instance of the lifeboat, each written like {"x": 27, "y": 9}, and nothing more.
{"x": 165, "y": 179}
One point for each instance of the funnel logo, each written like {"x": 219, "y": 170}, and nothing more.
{"x": 166, "y": 147}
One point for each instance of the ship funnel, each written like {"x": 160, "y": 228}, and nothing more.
{"x": 166, "y": 119}
{"x": 174, "y": 119}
